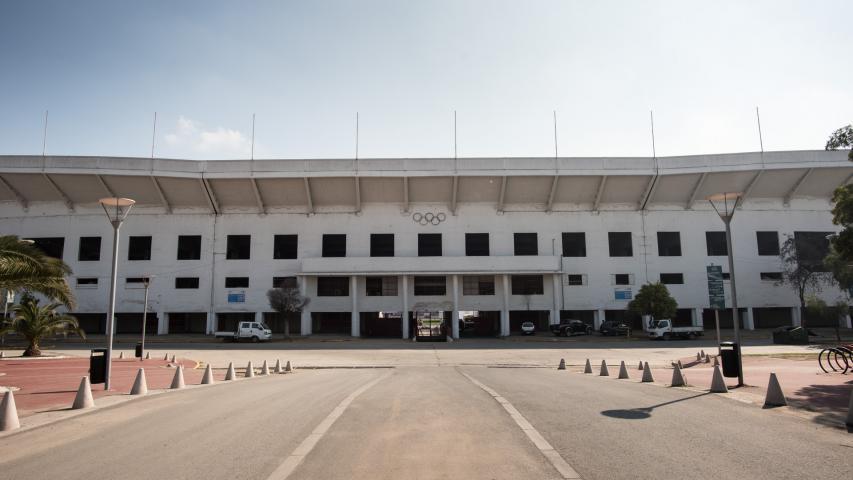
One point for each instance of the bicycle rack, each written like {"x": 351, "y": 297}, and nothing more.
{"x": 838, "y": 359}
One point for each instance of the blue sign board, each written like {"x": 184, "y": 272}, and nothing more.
{"x": 623, "y": 294}
{"x": 237, "y": 297}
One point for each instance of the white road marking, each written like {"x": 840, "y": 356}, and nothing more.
{"x": 291, "y": 462}
{"x": 544, "y": 447}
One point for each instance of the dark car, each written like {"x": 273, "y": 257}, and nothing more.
{"x": 570, "y": 327}
{"x": 614, "y": 328}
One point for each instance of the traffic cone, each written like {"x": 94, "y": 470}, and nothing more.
{"x": 562, "y": 365}
{"x": 265, "y": 370}
{"x": 250, "y": 370}
{"x": 588, "y": 367}
{"x": 647, "y": 374}
{"x": 775, "y": 397}
{"x": 288, "y": 368}
{"x": 84, "y": 395}
{"x": 207, "y": 379}
{"x": 603, "y": 372}
{"x": 140, "y": 386}
{"x": 278, "y": 368}
{"x": 178, "y": 380}
{"x": 229, "y": 375}
{"x": 640, "y": 366}
{"x": 147, "y": 355}
{"x": 121, "y": 355}
{"x": 718, "y": 384}
{"x": 8, "y": 413}
{"x": 623, "y": 371}
{"x": 677, "y": 378}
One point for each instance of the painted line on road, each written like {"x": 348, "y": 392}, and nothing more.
{"x": 544, "y": 447}
{"x": 291, "y": 462}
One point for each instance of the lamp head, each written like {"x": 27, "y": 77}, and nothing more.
{"x": 117, "y": 208}
{"x": 725, "y": 203}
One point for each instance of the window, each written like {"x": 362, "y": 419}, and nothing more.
{"x": 430, "y": 285}
{"x": 526, "y": 244}
{"x": 669, "y": 244}
{"x": 768, "y": 243}
{"x": 623, "y": 279}
{"x": 812, "y": 247}
{"x": 186, "y": 282}
{"x": 478, "y": 285}
{"x": 773, "y": 276}
{"x": 89, "y": 250}
{"x": 189, "y": 247}
{"x": 716, "y": 242}
{"x": 236, "y": 282}
{"x": 134, "y": 282}
{"x": 381, "y": 244}
{"x": 429, "y": 245}
{"x": 335, "y": 245}
{"x": 528, "y": 285}
{"x": 620, "y": 244}
{"x": 672, "y": 278}
{"x": 575, "y": 279}
{"x": 284, "y": 246}
{"x": 477, "y": 244}
{"x": 90, "y": 282}
{"x": 332, "y": 286}
{"x": 727, "y": 276}
{"x": 52, "y": 246}
{"x": 574, "y": 244}
{"x": 381, "y": 286}
{"x": 239, "y": 247}
{"x": 139, "y": 248}
{"x": 284, "y": 282}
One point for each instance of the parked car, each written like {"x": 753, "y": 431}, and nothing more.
{"x": 611, "y": 327}
{"x": 570, "y": 327}
{"x": 528, "y": 328}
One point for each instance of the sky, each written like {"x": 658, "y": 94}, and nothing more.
{"x": 306, "y": 69}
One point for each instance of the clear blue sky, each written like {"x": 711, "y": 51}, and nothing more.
{"x": 304, "y": 68}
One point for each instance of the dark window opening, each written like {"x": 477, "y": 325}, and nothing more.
{"x": 186, "y": 282}
{"x": 575, "y": 279}
{"x": 478, "y": 285}
{"x": 139, "y": 248}
{"x": 669, "y": 244}
{"x": 574, "y": 244}
{"x": 430, "y": 285}
{"x": 135, "y": 281}
{"x": 620, "y": 244}
{"x": 87, "y": 281}
{"x": 284, "y": 282}
{"x": 622, "y": 279}
{"x": 775, "y": 276}
{"x": 477, "y": 244}
{"x": 812, "y": 248}
{"x": 236, "y": 282}
{"x": 381, "y": 244}
{"x": 528, "y": 285}
{"x": 381, "y": 286}
{"x": 284, "y": 247}
{"x": 526, "y": 244}
{"x": 716, "y": 243}
{"x": 429, "y": 244}
{"x": 768, "y": 243}
{"x": 51, "y": 246}
{"x": 332, "y": 286}
{"x": 239, "y": 247}
{"x": 672, "y": 278}
{"x": 89, "y": 250}
{"x": 189, "y": 247}
{"x": 334, "y": 245}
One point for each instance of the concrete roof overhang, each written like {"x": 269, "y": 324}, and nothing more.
{"x": 347, "y": 185}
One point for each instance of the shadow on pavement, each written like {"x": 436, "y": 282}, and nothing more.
{"x": 830, "y": 402}
{"x": 644, "y": 412}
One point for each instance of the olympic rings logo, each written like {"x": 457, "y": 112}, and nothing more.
{"x": 429, "y": 218}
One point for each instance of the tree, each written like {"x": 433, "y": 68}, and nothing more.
{"x": 841, "y": 138}
{"x": 800, "y": 269}
{"x": 286, "y": 300}
{"x": 654, "y": 299}
{"x": 35, "y": 322}
{"x": 841, "y": 269}
{"x": 24, "y": 267}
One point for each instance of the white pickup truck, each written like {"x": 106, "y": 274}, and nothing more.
{"x": 254, "y": 331}
{"x": 664, "y": 329}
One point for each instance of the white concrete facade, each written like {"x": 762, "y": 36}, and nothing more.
{"x": 786, "y": 192}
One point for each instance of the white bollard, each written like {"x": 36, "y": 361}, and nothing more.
{"x": 178, "y": 379}
{"x": 166, "y": 357}
{"x": 677, "y": 378}
{"x": 647, "y": 374}
{"x": 718, "y": 384}
{"x": 562, "y": 365}
{"x": 8, "y": 413}
{"x": 265, "y": 370}
{"x": 588, "y": 367}
{"x": 603, "y": 372}
{"x": 207, "y": 379}
{"x": 640, "y": 366}
{"x": 288, "y": 367}
{"x": 698, "y": 357}
{"x": 230, "y": 374}
{"x": 250, "y": 370}
{"x": 84, "y": 395}
{"x": 147, "y": 355}
{"x": 173, "y": 359}
{"x": 623, "y": 371}
{"x": 278, "y": 368}
{"x": 140, "y": 386}
{"x": 775, "y": 397}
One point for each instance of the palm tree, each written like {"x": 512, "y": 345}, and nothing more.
{"x": 24, "y": 267}
{"x": 35, "y": 322}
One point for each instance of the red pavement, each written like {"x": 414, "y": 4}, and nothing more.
{"x": 51, "y": 384}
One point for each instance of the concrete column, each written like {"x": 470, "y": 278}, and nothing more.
{"x": 698, "y": 321}
{"x": 259, "y": 317}
{"x": 505, "y": 311}
{"x": 599, "y": 318}
{"x": 845, "y": 322}
{"x": 796, "y": 320}
{"x": 163, "y": 323}
{"x": 748, "y": 320}
{"x": 555, "y": 312}
{"x": 211, "y": 323}
{"x": 305, "y": 316}
{"x": 356, "y": 317}
{"x": 404, "y": 316}
{"x": 454, "y": 324}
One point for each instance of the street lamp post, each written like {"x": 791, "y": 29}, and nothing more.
{"x": 725, "y": 204}
{"x": 116, "y": 210}
{"x": 147, "y": 281}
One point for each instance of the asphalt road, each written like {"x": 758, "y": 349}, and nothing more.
{"x": 429, "y": 422}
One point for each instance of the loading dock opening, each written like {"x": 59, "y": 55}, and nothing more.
{"x": 338, "y": 323}
{"x": 480, "y": 324}
{"x": 538, "y": 317}
{"x": 186, "y": 322}
{"x": 381, "y": 324}
{"x": 276, "y": 323}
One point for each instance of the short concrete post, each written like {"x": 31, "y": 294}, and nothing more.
{"x": 677, "y": 378}
{"x": 562, "y": 365}
{"x": 588, "y": 367}
{"x": 679, "y": 364}
{"x": 140, "y": 386}
{"x": 603, "y": 372}
{"x": 775, "y": 397}
{"x": 716, "y": 361}
{"x": 623, "y": 371}
{"x": 121, "y": 355}
{"x": 178, "y": 379}
{"x": 207, "y": 379}
{"x": 640, "y": 366}
{"x": 147, "y": 355}
{"x": 288, "y": 367}
{"x": 250, "y": 370}
{"x": 707, "y": 359}
{"x": 166, "y": 357}
{"x": 702, "y": 353}
{"x": 647, "y": 374}
{"x": 718, "y": 384}
{"x": 2, "y": 354}
{"x": 173, "y": 359}
{"x": 265, "y": 370}
{"x": 84, "y": 395}
{"x": 698, "y": 357}
{"x": 8, "y": 413}
{"x": 278, "y": 368}
{"x": 229, "y": 374}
